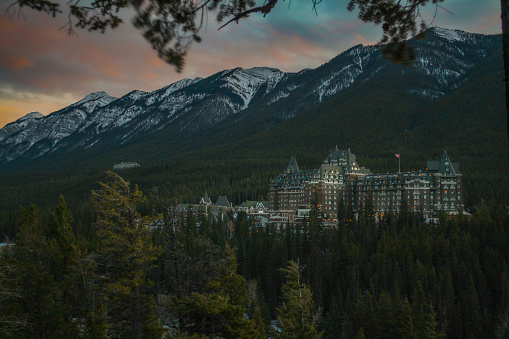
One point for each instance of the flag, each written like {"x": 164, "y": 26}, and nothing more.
{"x": 396, "y": 155}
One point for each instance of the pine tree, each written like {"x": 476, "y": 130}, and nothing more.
{"x": 127, "y": 255}
{"x": 220, "y": 309}
{"x": 404, "y": 323}
{"x": 423, "y": 315}
{"x": 12, "y": 319}
{"x": 470, "y": 307}
{"x": 315, "y": 216}
{"x": 385, "y": 316}
{"x": 64, "y": 264}
{"x": 40, "y": 292}
{"x": 296, "y": 318}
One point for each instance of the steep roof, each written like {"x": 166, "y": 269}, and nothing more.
{"x": 337, "y": 157}
{"x": 222, "y": 201}
{"x": 292, "y": 165}
{"x": 206, "y": 200}
{"x": 345, "y": 159}
{"x": 254, "y": 203}
{"x": 444, "y": 166}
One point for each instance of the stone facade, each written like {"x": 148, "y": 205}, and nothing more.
{"x": 341, "y": 179}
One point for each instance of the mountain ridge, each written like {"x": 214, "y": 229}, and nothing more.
{"x": 257, "y": 98}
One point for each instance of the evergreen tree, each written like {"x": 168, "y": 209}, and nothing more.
{"x": 385, "y": 316}
{"x": 404, "y": 323}
{"x": 127, "y": 255}
{"x": 470, "y": 308}
{"x": 423, "y": 315}
{"x": 12, "y": 319}
{"x": 65, "y": 256}
{"x": 296, "y": 316}
{"x": 332, "y": 322}
{"x": 40, "y": 293}
{"x": 220, "y": 309}
{"x": 315, "y": 216}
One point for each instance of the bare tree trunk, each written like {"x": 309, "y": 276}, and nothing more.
{"x": 505, "y": 46}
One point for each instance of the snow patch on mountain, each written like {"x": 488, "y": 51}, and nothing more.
{"x": 93, "y": 101}
{"x": 189, "y": 105}
{"x": 345, "y": 76}
{"x": 179, "y": 101}
{"x": 135, "y": 95}
{"x": 126, "y": 116}
{"x": 278, "y": 96}
{"x": 449, "y": 34}
{"x": 170, "y": 89}
{"x": 246, "y": 82}
{"x": 19, "y": 124}
{"x": 29, "y": 116}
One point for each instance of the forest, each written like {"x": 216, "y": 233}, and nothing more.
{"x": 108, "y": 270}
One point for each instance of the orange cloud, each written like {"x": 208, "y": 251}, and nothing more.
{"x": 112, "y": 71}
{"x": 17, "y": 63}
{"x": 14, "y": 108}
{"x": 362, "y": 40}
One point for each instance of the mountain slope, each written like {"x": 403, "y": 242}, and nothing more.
{"x": 234, "y": 104}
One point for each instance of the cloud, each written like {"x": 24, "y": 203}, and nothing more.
{"x": 15, "y": 63}
{"x": 363, "y": 40}
{"x": 41, "y": 67}
{"x": 15, "y": 104}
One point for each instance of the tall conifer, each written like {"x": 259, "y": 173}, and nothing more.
{"x": 297, "y": 317}
{"x": 127, "y": 254}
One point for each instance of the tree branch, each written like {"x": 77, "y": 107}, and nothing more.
{"x": 265, "y": 9}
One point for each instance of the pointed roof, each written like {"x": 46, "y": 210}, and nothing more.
{"x": 255, "y": 203}
{"x": 337, "y": 157}
{"x": 292, "y": 165}
{"x": 262, "y": 204}
{"x": 222, "y": 201}
{"x": 447, "y": 166}
{"x": 206, "y": 200}
{"x": 345, "y": 159}
{"x": 443, "y": 166}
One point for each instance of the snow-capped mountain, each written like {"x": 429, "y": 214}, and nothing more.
{"x": 20, "y": 124}
{"x": 188, "y": 107}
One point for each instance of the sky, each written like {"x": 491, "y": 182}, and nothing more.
{"x": 43, "y": 70}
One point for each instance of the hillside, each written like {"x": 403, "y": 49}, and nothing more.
{"x": 231, "y": 132}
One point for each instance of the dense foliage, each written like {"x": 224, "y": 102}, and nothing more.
{"x": 396, "y": 277}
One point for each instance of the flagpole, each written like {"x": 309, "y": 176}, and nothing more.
{"x": 399, "y": 164}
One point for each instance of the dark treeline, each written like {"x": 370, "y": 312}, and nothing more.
{"x": 182, "y": 182}
{"x": 237, "y": 176}
{"x": 106, "y": 273}
{"x": 394, "y": 277}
